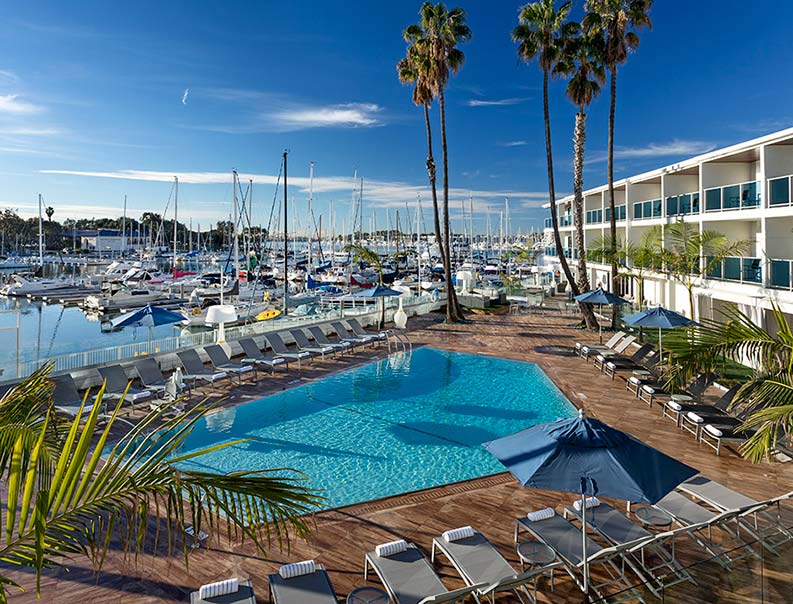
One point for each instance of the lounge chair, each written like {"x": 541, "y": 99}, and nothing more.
{"x": 346, "y": 336}
{"x": 152, "y": 378}
{"x": 623, "y": 362}
{"x": 116, "y": 382}
{"x": 66, "y": 397}
{"x": 254, "y": 356}
{"x": 303, "y": 344}
{"x": 195, "y": 369}
{"x": 616, "y": 528}
{"x": 762, "y": 519}
{"x": 479, "y": 562}
{"x": 676, "y": 410}
{"x": 409, "y": 578}
{"x": 565, "y": 539}
{"x": 241, "y": 593}
{"x": 618, "y": 348}
{"x": 612, "y": 341}
{"x": 221, "y": 361}
{"x": 648, "y": 363}
{"x": 312, "y": 587}
{"x": 652, "y": 391}
{"x": 719, "y": 414}
{"x": 321, "y": 339}
{"x": 700, "y": 521}
{"x": 279, "y": 348}
{"x": 358, "y": 330}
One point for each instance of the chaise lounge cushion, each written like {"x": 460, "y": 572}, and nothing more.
{"x": 459, "y": 533}
{"x": 306, "y": 567}
{"x": 391, "y": 548}
{"x": 543, "y": 514}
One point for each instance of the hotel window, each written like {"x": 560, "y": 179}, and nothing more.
{"x": 779, "y": 191}
{"x": 713, "y": 199}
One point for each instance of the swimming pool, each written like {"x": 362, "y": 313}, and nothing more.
{"x": 385, "y": 428}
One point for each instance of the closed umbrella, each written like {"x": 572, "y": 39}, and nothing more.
{"x": 378, "y": 291}
{"x": 599, "y": 296}
{"x": 148, "y": 316}
{"x": 583, "y": 455}
{"x": 659, "y": 317}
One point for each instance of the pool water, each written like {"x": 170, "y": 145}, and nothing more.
{"x": 389, "y": 427}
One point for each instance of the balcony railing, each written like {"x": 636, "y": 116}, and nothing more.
{"x": 685, "y": 203}
{"x": 564, "y": 221}
{"x": 568, "y": 252}
{"x": 779, "y": 191}
{"x": 737, "y": 268}
{"x": 594, "y": 217}
{"x": 739, "y": 196}
{"x": 620, "y": 211}
{"x": 780, "y": 274}
{"x": 643, "y": 210}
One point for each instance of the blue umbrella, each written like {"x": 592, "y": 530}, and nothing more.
{"x": 659, "y": 317}
{"x": 148, "y": 316}
{"x": 378, "y": 291}
{"x": 584, "y": 455}
{"x": 598, "y": 296}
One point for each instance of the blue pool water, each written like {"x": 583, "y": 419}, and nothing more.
{"x": 387, "y": 427}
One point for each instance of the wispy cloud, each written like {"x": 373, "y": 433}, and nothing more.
{"x": 29, "y": 131}
{"x": 495, "y": 102}
{"x": 346, "y": 115}
{"x": 676, "y": 147}
{"x": 766, "y": 126}
{"x": 378, "y": 193}
{"x": 184, "y": 96}
{"x": 11, "y": 103}
{"x": 515, "y": 144}
{"x": 8, "y": 76}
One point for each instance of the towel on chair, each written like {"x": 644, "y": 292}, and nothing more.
{"x": 306, "y": 567}
{"x": 459, "y": 533}
{"x": 540, "y": 514}
{"x": 391, "y": 548}
{"x": 220, "y": 588}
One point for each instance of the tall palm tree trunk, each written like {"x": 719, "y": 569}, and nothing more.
{"x": 613, "y": 218}
{"x": 579, "y": 142}
{"x": 453, "y": 311}
{"x": 431, "y": 172}
{"x": 551, "y": 191}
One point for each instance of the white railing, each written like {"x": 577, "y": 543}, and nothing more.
{"x": 78, "y": 360}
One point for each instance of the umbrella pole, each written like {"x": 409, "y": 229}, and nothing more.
{"x": 583, "y": 543}
{"x": 600, "y": 323}
{"x": 660, "y": 343}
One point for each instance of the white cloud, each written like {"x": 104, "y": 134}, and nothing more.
{"x": 184, "y": 96}
{"x": 346, "y": 115}
{"x": 515, "y": 144}
{"x": 494, "y": 102}
{"x": 676, "y": 147}
{"x": 377, "y": 193}
{"x": 10, "y": 103}
{"x": 8, "y": 75}
{"x": 29, "y": 131}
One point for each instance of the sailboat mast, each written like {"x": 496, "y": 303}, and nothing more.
{"x": 41, "y": 236}
{"x": 310, "y": 211}
{"x": 124, "y": 228}
{"x": 236, "y": 239}
{"x": 286, "y": 242}
{"x": 175, "y": 219}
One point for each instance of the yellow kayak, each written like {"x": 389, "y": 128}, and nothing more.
{"x": 266, "y": 315}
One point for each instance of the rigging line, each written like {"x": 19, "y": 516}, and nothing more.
{"x": 275, "y": 200}
{"x": 164, "y": 214}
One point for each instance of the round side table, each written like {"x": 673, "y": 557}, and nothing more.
{"x": 651, "y": 516}
{"x": 682, "y": 398}
{"x": 534, "y": 553}
{"x": 641, "y": 373}
{"x": 367, "y": 595}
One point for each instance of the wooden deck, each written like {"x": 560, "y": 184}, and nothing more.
{"x": 490, "y": 504}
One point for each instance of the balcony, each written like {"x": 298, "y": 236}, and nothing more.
{"x": 738, "y": 269}
{"x": 779, "y": 191}
{"x": 739, "y": 196}
{"x": 568, "y": 252}
{"x": 683, "y": 204}
{"x": 565, "y": 220}
{"x": 619, "y": 211}
{"x": 594, "y": 217}
{"x": 643, "y": 210}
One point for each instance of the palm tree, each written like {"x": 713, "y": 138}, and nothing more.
{"x": 443, "y": 29}
{"x": 766, "y": 396}
{"x": 414, "y": 69}
{"x": 49, "y": 211}
{"x": 71, "y": 492}
{"x": 361, "y": 253}
{"x": 684, "y": 250}
{"x": 617, "y": 21}
{"x": 582, "y": 61}
{"x": 542, "y": 33}
{"x": 635, "y": 260}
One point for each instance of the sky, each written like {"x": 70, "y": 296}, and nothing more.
{"x": 100, "y": 100}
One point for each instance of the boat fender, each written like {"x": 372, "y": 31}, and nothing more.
{"x": 196, "y": 311}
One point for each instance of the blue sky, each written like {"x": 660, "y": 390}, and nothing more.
{"x": 99, "y": 100}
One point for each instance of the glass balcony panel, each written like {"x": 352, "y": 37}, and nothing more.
{"x": 749, "y": 195}
{"x": 695, "y": 203}
{"x": 608, "y": 214}
{"x": 779, "y": 191}
{"x": 731, "y": 197}
{"x": 732, "y": 269}
{"x": 657, "y": 208}
{"x": 671, "y": 206}
{"x": 623, "y": 212}
{"x": 714, "y": 268}
{"x": 647, "y": 209}
{"x": 600, "y": 215}
{"x": 752, "y": 272}
{"x": 637, "y": 211}
{"x": 780, "y": 274}
{"x": 712, "y": 199}
{"x": 684, "y": 204}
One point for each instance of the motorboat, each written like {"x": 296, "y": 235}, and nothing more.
{"x": 123, "y": 298}
{"x": 20, "y": 286}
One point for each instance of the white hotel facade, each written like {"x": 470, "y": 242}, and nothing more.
{"x": 744, "y": 192}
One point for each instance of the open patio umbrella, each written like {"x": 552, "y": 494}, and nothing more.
{"x": 148, "y": 316}
{"x": 585, "y": 456}
{"x": 378, "y": 291}
{"x": 599, "y": 296}
{"x": 659, "y": 317}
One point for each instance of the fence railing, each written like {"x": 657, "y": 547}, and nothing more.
{"x": 100, "y": 356}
